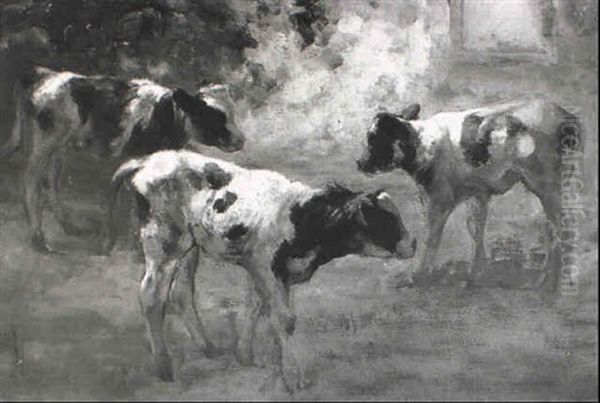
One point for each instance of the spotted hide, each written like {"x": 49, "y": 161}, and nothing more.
{"x": 473, "y": 155}
{"x": 279, "y": 231}
{"x": 108, "y": 117}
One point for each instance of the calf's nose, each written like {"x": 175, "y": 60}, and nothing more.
{"x": 237, "y": 139}
{"x": 239, "y": 142}
{"x": 406, "y": 248}
{"x": 364, "y": 167}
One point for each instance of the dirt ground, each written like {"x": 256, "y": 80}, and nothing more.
{"x": 70, "y": 326}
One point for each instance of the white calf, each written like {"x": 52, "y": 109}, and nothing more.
{"x": 279, "y": 231}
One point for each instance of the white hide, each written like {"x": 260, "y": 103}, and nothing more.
{"x": 447, "y": 126}
{"x": 440, "y": 125}
{"x": 51, "y": 87}
{"x": 262, "y": 205}
{"x": 262, "y": 198}
{"x": 51, "y": 94}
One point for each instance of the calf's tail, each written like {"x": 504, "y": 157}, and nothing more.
{"x": 21, "y": 95}
{"x": 16, "y": 136}
{"x": 123, "y": 173}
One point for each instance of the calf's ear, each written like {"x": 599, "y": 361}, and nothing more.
{"x": 384, "y": 200}
{"x": 411, "y": 112}
{"x": 360, "y": 218}
{"x": 365, "y": 202}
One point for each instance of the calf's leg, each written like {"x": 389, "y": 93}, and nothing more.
{"x": 546, "y": 188}
{"x": 110, "y": 229}
{"x": 18, "y": 130}
{"x": 275, "y": 298}
{"x": 117, "y": 196}
{"x": 34, "y": 175}
{"x": 54, "y": 177}
{"x": 153, "y": 297}
{"x": 437, "y": 216}
{"x": 254, "y": 309}
{"x": 184, "y": 295}
{"x": 160, "y": 269}
{"x": 476, "y": 227}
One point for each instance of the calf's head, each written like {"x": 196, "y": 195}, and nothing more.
{"x": 210, "y": 117}
{"x": 368, "y": 224}
{"x": 392, "y": 142}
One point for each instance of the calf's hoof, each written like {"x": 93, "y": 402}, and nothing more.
{"x": 138, "y": 255}
{"x": 295, "y": 383}
{"x": 293, "y": 375}
{"x": 471, "y": 283}
{"x": 275, "y": 380}
{"x": 164, "y": 367}
{"x": 270, "y": 383}
{"x": 39, "y": 243}
{"x": 108, "y": 244}
{"x": 403, "y": 281}
{"x": 211, "y": 351}
{"x": 421, "y": 278}
{"x": 165, "y": 373}
{"x": 245, "y": 358}
{"x": 81, "y": 225}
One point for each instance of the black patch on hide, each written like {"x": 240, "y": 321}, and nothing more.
{"x": 475, "y": 144}
{"x": 514, "y": 126}
{"x": 45, "y": 119}
{"x": 142, "y": 207}
{"x": 411, "y": 112}
{"x": 221, "y": 205}
{"x": 236, "y": 232}
{"x": 163, "y": 131}
{"x": 211, "y": 122}
{"x": 101, "y": 99}
{"x": 216, "y": 176}
{"x": 328, "y": 226}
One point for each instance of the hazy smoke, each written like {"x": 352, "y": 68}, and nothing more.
{"x": 371, "y": 56}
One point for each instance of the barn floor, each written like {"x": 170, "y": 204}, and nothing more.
{"x": 70, "y": 326}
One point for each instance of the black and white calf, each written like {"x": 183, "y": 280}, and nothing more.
{"x": 280, "y": 231}
{"x": 110, "y": 117}
{"x": 473, "y": 155}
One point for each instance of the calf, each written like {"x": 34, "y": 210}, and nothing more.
{"x": 280, "y": 231}
{"x": 110, "y": 117}
{"x": 473, "y": 155}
